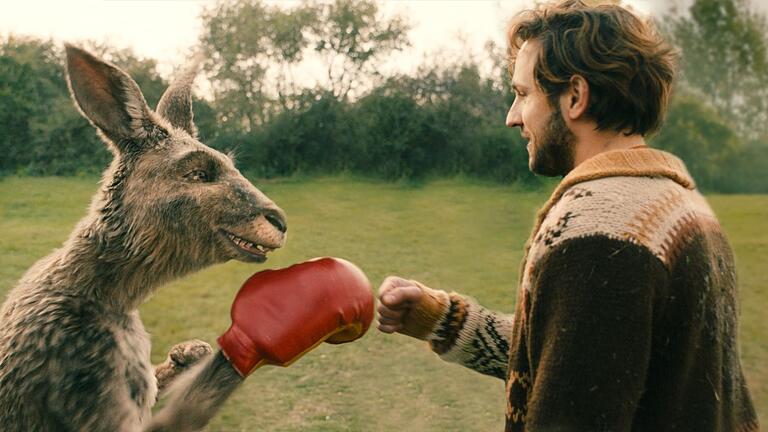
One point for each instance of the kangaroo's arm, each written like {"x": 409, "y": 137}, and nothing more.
{"x": 283, "y": 330}
{"x": 197, "y": 395}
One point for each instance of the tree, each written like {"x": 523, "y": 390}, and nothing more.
{"x": 725, "y": 60}
{"x": 34, "y": 98}
{"x": 16, "y": 106}
{"x": 250, "y": 48}
{"x": 699, "y": 136}
{"x": 352, "y": 37}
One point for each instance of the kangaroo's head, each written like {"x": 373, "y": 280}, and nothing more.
{"x": 167, "y": 199}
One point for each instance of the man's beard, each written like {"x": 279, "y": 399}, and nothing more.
{"x": 553, "y": 150}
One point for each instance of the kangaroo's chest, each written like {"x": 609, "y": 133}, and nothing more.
{"x": 134, "y": 354}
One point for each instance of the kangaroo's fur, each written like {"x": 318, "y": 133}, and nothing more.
{"x": 74, "y": 355}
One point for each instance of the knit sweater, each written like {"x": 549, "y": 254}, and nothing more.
{"x": 626, "y": 316}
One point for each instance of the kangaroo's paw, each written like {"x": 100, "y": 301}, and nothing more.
{"x": 180, "y": 358}
{"x": 187, "y": 353}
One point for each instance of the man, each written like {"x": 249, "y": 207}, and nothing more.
{"x": 626, "y": 311}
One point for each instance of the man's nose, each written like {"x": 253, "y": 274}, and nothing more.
{"x": 513, "y": 117}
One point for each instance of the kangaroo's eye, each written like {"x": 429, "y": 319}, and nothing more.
{"x": 198, "y": 176}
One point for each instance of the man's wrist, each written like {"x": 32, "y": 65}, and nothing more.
{"x": 427, "y": 313}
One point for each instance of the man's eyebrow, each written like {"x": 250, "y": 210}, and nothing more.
{"x": 519, "y": 87}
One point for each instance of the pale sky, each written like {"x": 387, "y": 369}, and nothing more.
{"x": 167, "y": 29}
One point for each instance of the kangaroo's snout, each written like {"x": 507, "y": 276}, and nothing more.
{"x": 277, "y": 219}
{"x": 253, "y": 224}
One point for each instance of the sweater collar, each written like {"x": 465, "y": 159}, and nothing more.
{"x": 637, "y": 162}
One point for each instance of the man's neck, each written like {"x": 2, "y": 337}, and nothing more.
{"x": 593, "y": 142}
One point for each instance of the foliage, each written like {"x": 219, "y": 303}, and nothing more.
{"x": 252, "y": 48}
{"x": 42, "y": 132}
{"x": 442, "y": 122}
{"x": 724, "y": 46}
{"x": 698, "y": 135}
{"x": 351, "y": 36}
{"x": 445, "y": 119}
{"x": 243, "y": 41}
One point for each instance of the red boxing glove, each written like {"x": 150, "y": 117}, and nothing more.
{"x": 278, "y": 315}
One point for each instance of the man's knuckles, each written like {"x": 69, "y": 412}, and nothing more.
{"x": 396, "y": 281}
{"x": 393, "y": 283}
{"x": 401, "y": 296}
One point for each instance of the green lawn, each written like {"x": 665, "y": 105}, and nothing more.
{"x": 451, "y": 234}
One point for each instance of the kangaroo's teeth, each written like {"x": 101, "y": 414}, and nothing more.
{"x": 245, "y": 244}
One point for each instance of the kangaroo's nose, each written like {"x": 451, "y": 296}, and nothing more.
{"x": 277, "y": 219}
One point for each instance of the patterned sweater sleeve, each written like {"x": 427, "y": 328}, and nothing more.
{"x": 461, "y": 331}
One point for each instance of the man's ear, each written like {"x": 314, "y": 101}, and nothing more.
{"x": 575, "y": 100}
{"x": 110, "y": 99}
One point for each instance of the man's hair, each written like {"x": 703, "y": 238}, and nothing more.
{"x": 628, "y": 66}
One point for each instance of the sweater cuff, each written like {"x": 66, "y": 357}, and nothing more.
{"x": 455, "y": 326}
{"x": 426, "y": 314}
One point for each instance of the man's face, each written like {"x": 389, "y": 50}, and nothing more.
{"x": 550, "y": 141}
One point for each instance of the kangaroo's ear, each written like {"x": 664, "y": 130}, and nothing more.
{"x": 176, "y": 103}
{"x": 110, "y": 99}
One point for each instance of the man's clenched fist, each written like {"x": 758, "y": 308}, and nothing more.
{"x": 409, "y": 307}
{"x": 397, "y": 296}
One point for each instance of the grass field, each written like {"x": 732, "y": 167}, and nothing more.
{"x": 451, "y": 234}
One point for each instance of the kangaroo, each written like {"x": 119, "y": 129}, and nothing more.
{"x": 74, "y": 355}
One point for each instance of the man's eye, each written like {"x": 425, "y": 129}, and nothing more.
{"x": 197, "y": 176}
